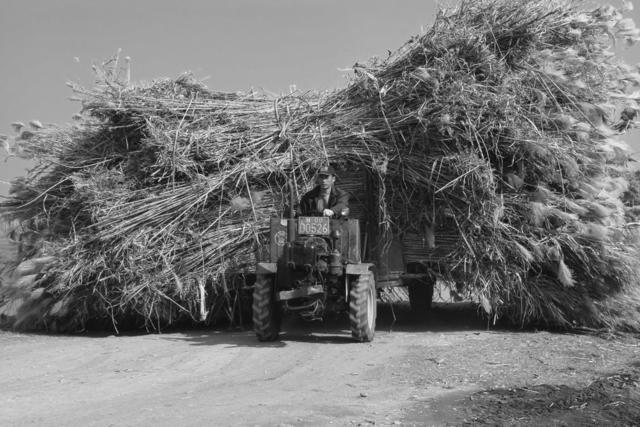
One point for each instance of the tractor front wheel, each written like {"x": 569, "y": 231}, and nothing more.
{"x": 266, "y": 313}
{"x": 363, "y": 307}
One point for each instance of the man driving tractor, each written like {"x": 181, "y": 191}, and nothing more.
{"x": 312, "y": 265}
{"x": 325, "y": 199}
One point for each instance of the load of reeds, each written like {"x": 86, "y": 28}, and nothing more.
{"x": 489, "y": 141}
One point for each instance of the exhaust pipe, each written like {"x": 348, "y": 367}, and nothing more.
{"x": 291, "y": 224}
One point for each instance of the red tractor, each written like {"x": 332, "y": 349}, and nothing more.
{"x": 313, "y": 268}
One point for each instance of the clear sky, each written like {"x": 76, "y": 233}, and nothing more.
{"x": 232, "y": 44}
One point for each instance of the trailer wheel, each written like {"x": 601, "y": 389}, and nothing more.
{"x": 266, "y": 313}
{"x": 363, "y": 307}
{"x": 420, "y": 296}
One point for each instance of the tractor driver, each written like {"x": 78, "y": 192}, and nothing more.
{"x": 325, "y": 199}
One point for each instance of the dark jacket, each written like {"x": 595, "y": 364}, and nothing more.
{"x": 338, "y": 200}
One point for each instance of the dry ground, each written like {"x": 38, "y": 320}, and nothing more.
{"x": 450, "y": 370}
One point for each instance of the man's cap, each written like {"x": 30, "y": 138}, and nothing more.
{"x": 326, "y": 170}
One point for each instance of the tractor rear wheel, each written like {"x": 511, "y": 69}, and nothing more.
{"x": 363, "y": 307}
{"x": 420, "y": 296}
{"x": 266, "y": 313}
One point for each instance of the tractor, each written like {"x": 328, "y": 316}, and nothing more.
{"x": 314, "y": 268}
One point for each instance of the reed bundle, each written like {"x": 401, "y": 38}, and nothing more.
{"x": 488, "y": 137}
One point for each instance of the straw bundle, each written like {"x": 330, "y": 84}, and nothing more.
{"x": 486, "y": 143}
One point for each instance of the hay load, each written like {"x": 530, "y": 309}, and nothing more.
{"x": 489, "y": 141}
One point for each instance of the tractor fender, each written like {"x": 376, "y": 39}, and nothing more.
{"x": 267, "y": 268}
{"x": 362, "y": 268}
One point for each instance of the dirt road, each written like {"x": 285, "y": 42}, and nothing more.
{"x": 450, "y": 370}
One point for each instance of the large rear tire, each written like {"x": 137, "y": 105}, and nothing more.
{"x": 363, "y": 307}
{"x": 421, "y": 296}
{"x": 266, "y": 313}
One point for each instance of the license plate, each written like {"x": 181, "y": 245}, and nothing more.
{"x": 314, "y": 225}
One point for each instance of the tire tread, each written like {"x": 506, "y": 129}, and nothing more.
{"x": 266, "y": 316}
{"x": 358, "y": 307}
